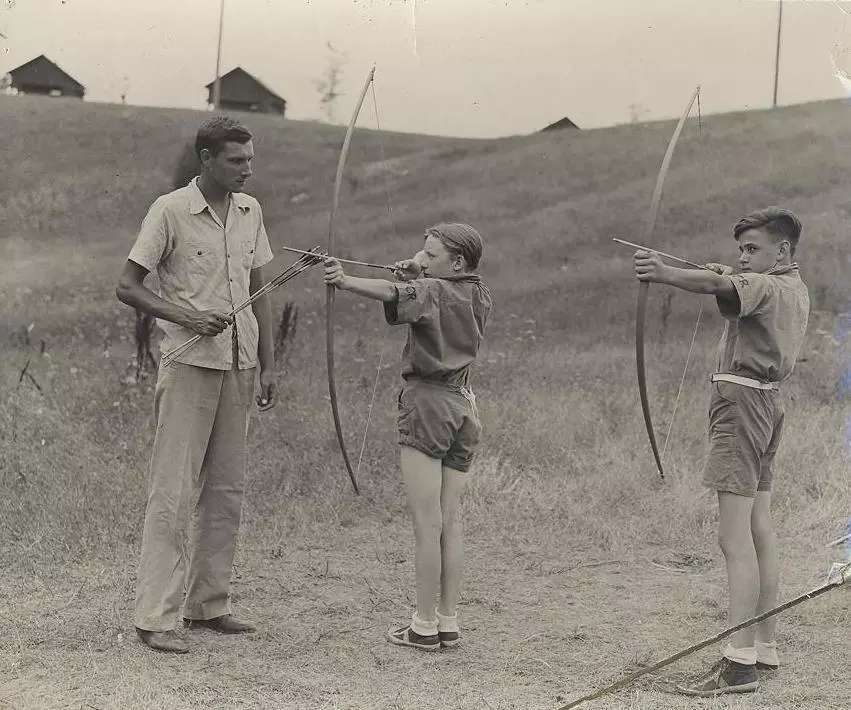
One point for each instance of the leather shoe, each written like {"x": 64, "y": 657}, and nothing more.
{"x": 167, "y": 641}
{"x": 225, "y": 624}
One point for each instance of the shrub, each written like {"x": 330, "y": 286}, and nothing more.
{"x": 187, "y": 167}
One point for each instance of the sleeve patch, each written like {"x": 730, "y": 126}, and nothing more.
{"x": 756, "y": 292}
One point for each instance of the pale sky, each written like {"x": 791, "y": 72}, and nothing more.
{"x": 472, "y": 68}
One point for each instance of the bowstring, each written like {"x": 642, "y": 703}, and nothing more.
{"x": 699, "y": 312}
{"x": 385, "y": 329}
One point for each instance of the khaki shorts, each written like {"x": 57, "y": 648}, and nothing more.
{"x": 745, "y": 426}
{"x": 440, "y": 421}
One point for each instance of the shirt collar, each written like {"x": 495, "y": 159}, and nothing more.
{"x": 783, "y": 269}
{"x": 473, "y": 278}
{"x": 198, "y": 203}
{"x": 241, "y": 200}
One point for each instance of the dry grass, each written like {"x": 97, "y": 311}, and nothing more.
{"x": 581, "y": 563}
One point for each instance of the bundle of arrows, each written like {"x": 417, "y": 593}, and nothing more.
{"x": 303, "y": 263}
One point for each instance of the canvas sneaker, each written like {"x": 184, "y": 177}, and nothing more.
{"x": 726, "y": 677}
{"x": 448, "y": 639}
{"x": 406, "y": 636}
{"x": 447, "y": 630}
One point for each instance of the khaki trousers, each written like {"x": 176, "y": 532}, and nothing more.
{"x": 199, "y": 459}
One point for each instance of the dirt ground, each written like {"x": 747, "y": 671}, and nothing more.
{"x": 542, "y": 624}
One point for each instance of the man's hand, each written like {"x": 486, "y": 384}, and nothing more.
{"x": 407, "y": 269}
{"x": 334, "y": 274}
{"x": 649, "y": 266}
{"x": 207, "y": 322}
{"x": 268, "y": 396}
{"x": 720, "y": 269}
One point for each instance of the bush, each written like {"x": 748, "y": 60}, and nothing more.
{"x": 187, "y": 167}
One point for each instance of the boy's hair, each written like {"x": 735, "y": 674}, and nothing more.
{"x": 218, "y": 130}
{"x": 459, "y": 239}
{"x": 779, "y": 222}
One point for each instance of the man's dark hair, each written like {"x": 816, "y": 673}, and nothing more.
{"x": 779, "y": 222}
{"x": 218, "y": 130}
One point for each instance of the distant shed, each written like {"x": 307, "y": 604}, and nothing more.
{"x": 560, "y": 124}
{"x": 240, "y": 91}
{"x": 41, "y": 76}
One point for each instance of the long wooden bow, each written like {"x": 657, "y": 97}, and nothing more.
{"x": 330, "y": 290}
{"x": 644, "y": 286}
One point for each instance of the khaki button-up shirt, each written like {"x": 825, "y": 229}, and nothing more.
{"x": 205, "y": 265}
{"x": 447, "y": 319}
{"x": 763, "y": 339}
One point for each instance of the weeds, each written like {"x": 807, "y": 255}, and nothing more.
{"x": 285, "y": 333}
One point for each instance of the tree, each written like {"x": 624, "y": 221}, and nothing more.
{"x": 328, "y": 86}
{"x": 188, "y": 165}
{"x": 636, "y": 111}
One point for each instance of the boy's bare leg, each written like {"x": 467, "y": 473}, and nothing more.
{"x": 451, "y": 539}
{"x": 765, "y": 543}
{"x": 735, "y": 538}
{"x": 423, "y": 480}
{"x": 737, "y": 672}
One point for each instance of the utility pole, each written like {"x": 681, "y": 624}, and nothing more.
{"x": 777, "y": 54}
{"x": 217, "y": 88}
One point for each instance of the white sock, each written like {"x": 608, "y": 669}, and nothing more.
{"x": 766, "y": 652}
{"x": 447, "y": 623}
{"x": 745, "y": 655}
{"x": 422, "y": 627}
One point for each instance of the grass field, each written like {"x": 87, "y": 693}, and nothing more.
{"x": 581, "y": 563}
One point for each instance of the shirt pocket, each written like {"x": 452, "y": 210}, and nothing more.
{"x": 197, "y": 258}
{"x": 248, "y": 244}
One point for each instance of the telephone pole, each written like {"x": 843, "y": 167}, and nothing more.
{"x": 777, "y": 54}
{"x": 217, "y": 83}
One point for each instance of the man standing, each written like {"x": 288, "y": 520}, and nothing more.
{"x": 208, "y": 244}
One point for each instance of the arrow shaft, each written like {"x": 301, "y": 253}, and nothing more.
{"x": 344, "y": 261}
{"x": 293, "y": 270}
{"x": 708, "y": 641}
{"x": 661, "y": 253}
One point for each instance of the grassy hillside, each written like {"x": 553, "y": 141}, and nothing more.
{"x": 565, "y": 477}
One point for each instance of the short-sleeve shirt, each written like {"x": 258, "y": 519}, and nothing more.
{"x": 205, "y": 265}
{"x": 447, "y": 318}
{"x": 763, "y": 339}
